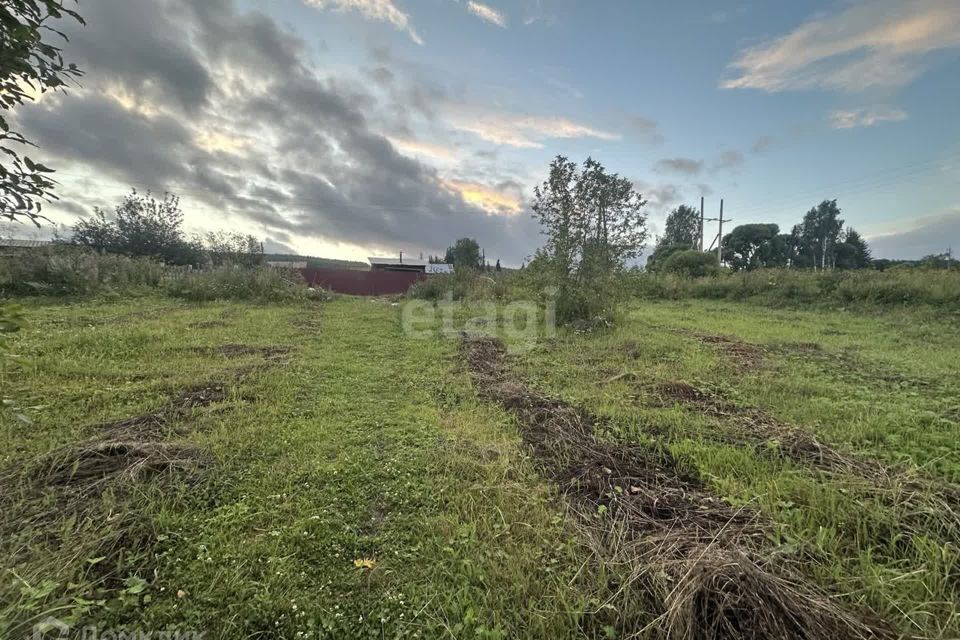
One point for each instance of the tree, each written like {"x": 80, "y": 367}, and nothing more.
{"x": 853, "y": 252}
{"x": 141, "y": 226}
{"x": 751, "y": 246}
{"x": 29, "y": 66}
{"x": 497, "y": 268}
{"x": 465, "y": 253}
{"x": 232, "y": 247}
{"x": 594, "y": 223}
{"x": 816, "y": 238}
{"x": 682, "y": 227}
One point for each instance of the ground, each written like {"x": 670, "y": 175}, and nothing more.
{"x": 268, "y": 471}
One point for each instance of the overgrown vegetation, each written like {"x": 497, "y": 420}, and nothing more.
{"x": 904, "y": 287}
{"x": 594, "y": 223}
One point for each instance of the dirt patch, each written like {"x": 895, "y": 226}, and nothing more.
{"x": 743, "y": 355}
{"x": 697, "y": 559}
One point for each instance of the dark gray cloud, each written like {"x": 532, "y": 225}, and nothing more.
{"x": 225, "y": 108}
{"x": 935, "y": 234}
{"x": 95, "y": 130}
{"x": 687, "y": 166}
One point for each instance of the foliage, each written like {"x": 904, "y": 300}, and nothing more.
{"x": 226, "y": 247}
{"x": 260, "y": 284}
{"x": 901, "y": 286}
{"x": 29, "y": 66}
{"x": 141, "y": 226}
{"x": 753, "y": 246}
{"x": 682, "y": 228}
{"x": 65, "y": 270}
{"x": 692, "y": 263}
{"x": 662, "y": 253}
{"x": 594, "y": 223}
{"x": 816, "y": 238}
{"x": 853, "y": 252}
{"x": 465, "y": 254}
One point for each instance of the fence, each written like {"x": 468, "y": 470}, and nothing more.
{"x": 362, "y": 283}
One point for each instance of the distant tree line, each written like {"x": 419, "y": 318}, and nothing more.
{"x": 820, "y": 241}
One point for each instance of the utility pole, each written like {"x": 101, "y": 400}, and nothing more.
{"x": 701, "y": 223}
{"x": 720, "y": 236}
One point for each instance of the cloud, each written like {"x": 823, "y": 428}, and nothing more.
{"x": 687, "y": 166}
{"x": 763, "y": 144}
{"x": 883, "y": 43}
{"x": 505, "y": 198}
{"x": 867, "y": 117}
{"x": 379, "y": 10}
{"x": 267, "y": 146}
{"x": 487, "y": 13}
{"x": 929, "y": 235}
{"x": 730, "y": 159}
{"x": 644, "y": 127}
{"x": 524, "y": 131}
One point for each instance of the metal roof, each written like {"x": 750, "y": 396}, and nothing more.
{"x": 407, "y": 262}
{"x": 19, "y": 242}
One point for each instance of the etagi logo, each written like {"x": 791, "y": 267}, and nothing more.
{"x": 53, "y": 629}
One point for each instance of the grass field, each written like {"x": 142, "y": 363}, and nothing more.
{"x": 307, "y": 470}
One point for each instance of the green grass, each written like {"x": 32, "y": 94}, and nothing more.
{"x": 881, "y": 386}
{"x": 361, "y": 444}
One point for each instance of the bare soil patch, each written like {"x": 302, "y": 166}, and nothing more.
{"x": 698, "y": 560}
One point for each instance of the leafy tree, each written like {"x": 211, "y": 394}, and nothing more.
{"x": 853, "y": 252}
{"x": 816, "y": 238}
{"x": 594, "y": 223}
{"x": 29, "y": 66}
{"x": 141, "y": 226}
{"x": 682, "y": 227}
{"x": 465, "y": 253}
{"x": 692, "y": 263}
{"x": 751, "y": 246}
{"x": 231, "y": 247}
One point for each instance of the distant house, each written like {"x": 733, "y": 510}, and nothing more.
{"x": 17, "y": 243}
{"x": 408, "y": 265}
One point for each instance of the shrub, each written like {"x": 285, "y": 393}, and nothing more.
{"x": 898, "y": 286}
{"x": 691, "y": 263}
{"x": 63, "y": 270}
{"x": 260, "y": 284}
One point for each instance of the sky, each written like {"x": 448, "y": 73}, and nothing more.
{"x": 351, "y": 128}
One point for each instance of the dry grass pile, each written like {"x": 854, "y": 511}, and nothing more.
{"x": 697, "y": 560}
{"x": 744, "y": 355}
